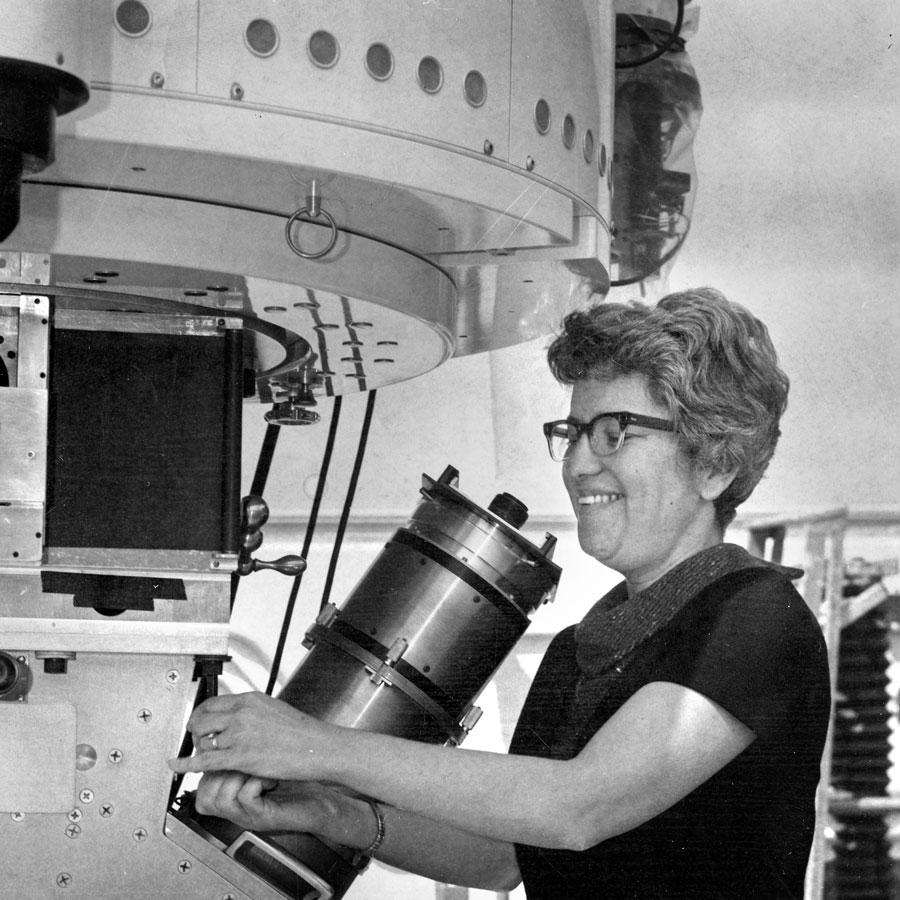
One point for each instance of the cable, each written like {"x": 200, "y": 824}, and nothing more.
{"x": 307, "y": 543}
{"x": 635, "y": 279}
{"x": 351, "y": 490}
{"x": 662, "y": 48}
{"x": 264, "y": 462}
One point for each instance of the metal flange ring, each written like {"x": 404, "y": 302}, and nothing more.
{"x": 296, "y": 217}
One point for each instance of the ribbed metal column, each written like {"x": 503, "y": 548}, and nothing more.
{"x": 861, "y": 867}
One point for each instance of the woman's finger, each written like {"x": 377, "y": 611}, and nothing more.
{"x": 204, "y": 761}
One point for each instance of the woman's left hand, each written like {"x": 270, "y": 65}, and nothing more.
{"x": 257, "y": 735}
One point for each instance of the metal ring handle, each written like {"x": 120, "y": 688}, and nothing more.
{"x": 296, "y": 217}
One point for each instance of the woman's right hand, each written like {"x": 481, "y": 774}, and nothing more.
{"x": 261, "y": 804}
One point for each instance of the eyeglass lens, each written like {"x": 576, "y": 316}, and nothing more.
{"x": 605, "y": 437}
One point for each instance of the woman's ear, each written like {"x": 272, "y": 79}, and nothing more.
{"x": 712, "y": 484}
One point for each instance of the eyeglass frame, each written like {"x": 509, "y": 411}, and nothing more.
{"x": 625, "y": 419}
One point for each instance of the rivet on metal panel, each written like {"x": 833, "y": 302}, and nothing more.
{"x": 430, "y": 75}
{"x": 542, "y": 116}
{"x": 132, "y": 18}
{"x": 323, "y": 49}
{"x": 379, "y": 62}
{"x": 488, "y": 148}
{"x": 157, "y": 80}
{"x": 568, "y": 132}
{"x": 529, "y": 163}
{"x": 475, "y": 88}
{"x": 237, "y": 92}
{"x": 261, "y": 37}
{"x": 587, "y": 146}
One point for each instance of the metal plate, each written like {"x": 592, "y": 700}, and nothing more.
{"x": 40, "y": 737}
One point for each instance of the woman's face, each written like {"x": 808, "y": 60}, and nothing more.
{"x": 641, "y": 510}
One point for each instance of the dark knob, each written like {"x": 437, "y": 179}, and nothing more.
{"x": 511, "y": 510}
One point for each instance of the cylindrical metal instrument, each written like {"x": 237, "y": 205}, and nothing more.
{"x": 409, "y": 652}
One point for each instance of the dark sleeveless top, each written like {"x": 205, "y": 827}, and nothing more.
{"x": 740, "y": 634}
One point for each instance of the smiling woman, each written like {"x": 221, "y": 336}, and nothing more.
{"x": 670, "y": 743}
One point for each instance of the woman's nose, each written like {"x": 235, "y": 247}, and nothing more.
{"x": 581, "y": 459}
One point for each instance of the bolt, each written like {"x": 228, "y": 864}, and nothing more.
{"x": 17, "y": 816}
{"x": 145, "y": 715}
{"x": 139, "y": 834}
{"x": 22, "y": 659}
{"x": 157, "y": 80}
{"x": 76, "y": 815}
{"x": 115, "y": 756}
{"x": 173, "y": 676}
{"x": 237, "y": 92}
{"x": 86, "y": 796}
{"x": 184, "y": 866}
{"x": 64, "y": 879}
{"x": 106, "y": 810}
{"x": 73, "y": 830}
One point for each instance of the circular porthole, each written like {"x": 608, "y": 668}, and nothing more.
{"x": 542, "y": 116}
{"x": 323, "y": 49}
{"x": 587, "y": 145}
{"x": 568, "y": 132}
{"x": 133, "y": 18}
{"x": 261, "y": 37}
{"x": 430, "y": 75}
{"x": 380, "y": 62}
{"x": 475, "y": 88}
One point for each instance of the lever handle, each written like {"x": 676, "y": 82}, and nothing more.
{"x": 287, "y": 565}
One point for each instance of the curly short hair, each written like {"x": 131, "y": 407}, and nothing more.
{"x": 707, "y": 360}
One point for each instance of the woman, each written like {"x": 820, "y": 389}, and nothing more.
{"x": 670, "y": 743}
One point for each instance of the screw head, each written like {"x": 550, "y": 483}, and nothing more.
{"x": 184, "y": 866}
{"x": 529, "y": 163}
{"x": 76, "y": 815}
{"x": 139, "y": 834}
{"x": 17, "y": 816}
{"x": 157, "y": 80}
{"x": 488, "y": 148}
{"x": 64, "y": 879}
{"x": 173, "y": 676}
{"x": 86, "y": 796}
{"x": 106, "y": 810}
{"x": 115, "y": 756}
{"x": 145, "y": 716}
{"x": 73, "y": 830}
{"x": 237, "y": 92}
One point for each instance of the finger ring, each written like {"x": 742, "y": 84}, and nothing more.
{"x": 212, "y": 738}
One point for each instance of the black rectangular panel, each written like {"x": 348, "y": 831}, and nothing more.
{"x": 137, "y": 451}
